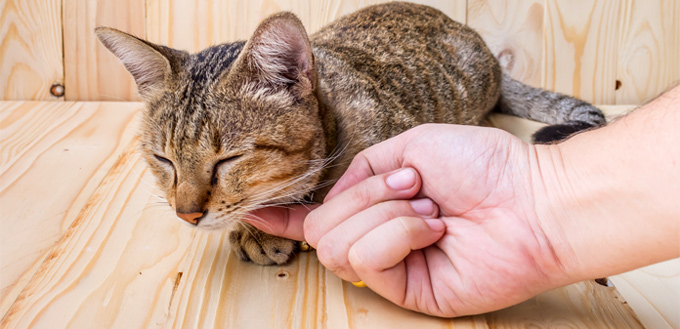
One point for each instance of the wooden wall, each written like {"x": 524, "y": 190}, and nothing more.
{"x": 604, "y": 51}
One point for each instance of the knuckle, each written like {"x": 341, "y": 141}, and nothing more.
{"x": 370, "y": 191}
{"x": 357, "y": 261}
{"x": 329, "y": 255}
{"x": 362, "y": 194}
{"x": 407, "y": 226}
{"x": 311, "y": 231}
{"x": 359, "y": 161}
{"x": 395, "y": 209}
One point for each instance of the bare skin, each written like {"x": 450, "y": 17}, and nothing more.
{"x": 456, "y": 220}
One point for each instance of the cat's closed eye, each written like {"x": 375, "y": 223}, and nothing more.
{"x": 222, "y": 162}
{"x": 164, "y": 160}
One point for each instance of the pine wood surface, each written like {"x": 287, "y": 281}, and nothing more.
{"x": 91, "y": 72}
{"x": 513, "y": 30}
{"x": 99, "y": 249}
{"x": 30, "y": 49}
{"x": 52, "y": 157}
{"x": 649, "y": 49}
{"x": 607, "y": 52}
{"x": 580, "y": 49}
{"x": 654, "y": 293}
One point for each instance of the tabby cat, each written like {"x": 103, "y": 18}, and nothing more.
{"x": 276, "y": 119}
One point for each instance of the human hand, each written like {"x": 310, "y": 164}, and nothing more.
{"x": 483, "y": 249}
{"x": 518, "y": 219}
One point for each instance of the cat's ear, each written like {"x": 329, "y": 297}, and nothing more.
{"x": 151, "y": 65}
{"x": 279, "y": 55}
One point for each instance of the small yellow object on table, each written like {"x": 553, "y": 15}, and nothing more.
{"x": 359, "y": 284}
{"x": 304, "y": 246}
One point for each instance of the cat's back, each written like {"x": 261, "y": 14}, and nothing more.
{"x": 413, "y": 59}
{"x": 383, "y": 23}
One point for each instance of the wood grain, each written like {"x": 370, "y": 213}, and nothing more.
{"x": 91, "y": 71}
{"x": 513, "y": 30}
{"x": 52, "y": 157}
{"x": 649, "y": 49}
{"x": 654, "y": 293}
{"x": 30, "y": 49}
{"x": 580, "y": 49}
{"x": 583, "y": 305}
{"x": 116, "y": 265}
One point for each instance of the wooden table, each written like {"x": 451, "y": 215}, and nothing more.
{"x": 86, "y": 243}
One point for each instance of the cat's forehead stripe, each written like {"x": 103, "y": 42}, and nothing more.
{"x": 206, "y": 66}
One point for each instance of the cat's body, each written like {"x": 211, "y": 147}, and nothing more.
{"x": 279, "y": 117}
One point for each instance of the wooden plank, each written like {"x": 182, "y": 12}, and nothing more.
{"x": 583, "y": 305}
{"x": 30, "y": 49}
{"x": 91, "y": 71}
{"x": 653, "y": 292}
{"x": 127, "y": 262}
{"x": 580, "y": 51}
{"x": 52, "y": 157}
{"x": 194, "y": 26}
{"x": 649, "y": 49}
{"x": 116, "y": 265}
{"x": 513, "y": 30}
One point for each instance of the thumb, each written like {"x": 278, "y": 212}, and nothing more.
{"x": 284, "y": 222}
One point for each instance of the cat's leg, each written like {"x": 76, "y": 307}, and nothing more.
{"x": 556, "y": 133}
{"x": 566, "y": 115}
{"x": 251, "y": 244}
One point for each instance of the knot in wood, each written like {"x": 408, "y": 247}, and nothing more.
{"x": 57, "y": 90}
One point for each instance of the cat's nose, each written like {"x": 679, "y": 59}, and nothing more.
{"x": 191, "y": 218}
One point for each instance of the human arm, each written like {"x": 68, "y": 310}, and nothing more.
{"x": 618, "y": 206}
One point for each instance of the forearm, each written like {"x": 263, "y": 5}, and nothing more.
{"x": 612, "y": 196}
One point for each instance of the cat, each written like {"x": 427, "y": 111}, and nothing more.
{"x": 276, "y": 119}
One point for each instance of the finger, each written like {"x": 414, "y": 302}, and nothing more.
{"x": 378, "y": 257}
{"x": 334, "y": 246}
{"x": 401, "y": 184}
{"x": 378, "y": 159}
{"x": 284, "y": 222}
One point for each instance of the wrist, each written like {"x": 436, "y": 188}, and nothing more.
{"x": 556, "y": 204}
{"x": 550, "y": 208}
{"x": 607, "y": 199}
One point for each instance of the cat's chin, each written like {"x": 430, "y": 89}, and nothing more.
{"x": 214, "y": 224}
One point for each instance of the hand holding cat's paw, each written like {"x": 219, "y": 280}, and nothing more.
{"x": 251, "y": 244}
{"x": 479, "y": 253}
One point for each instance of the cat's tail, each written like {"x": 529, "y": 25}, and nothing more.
{"x": 566, "y": 115}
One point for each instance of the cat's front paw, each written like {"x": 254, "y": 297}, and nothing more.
{"x": 251, "y": 244}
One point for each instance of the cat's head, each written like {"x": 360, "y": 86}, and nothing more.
{"x": 232, "y": 127}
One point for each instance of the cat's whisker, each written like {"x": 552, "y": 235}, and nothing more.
{"x": 288, "y": 183}
{"x": 252, "y": 230}
{"x": 159, "y": 196}
{"x": 145, "y": 178}
{"x": 268, "y": 196}
{"x": 257, "y": 219}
